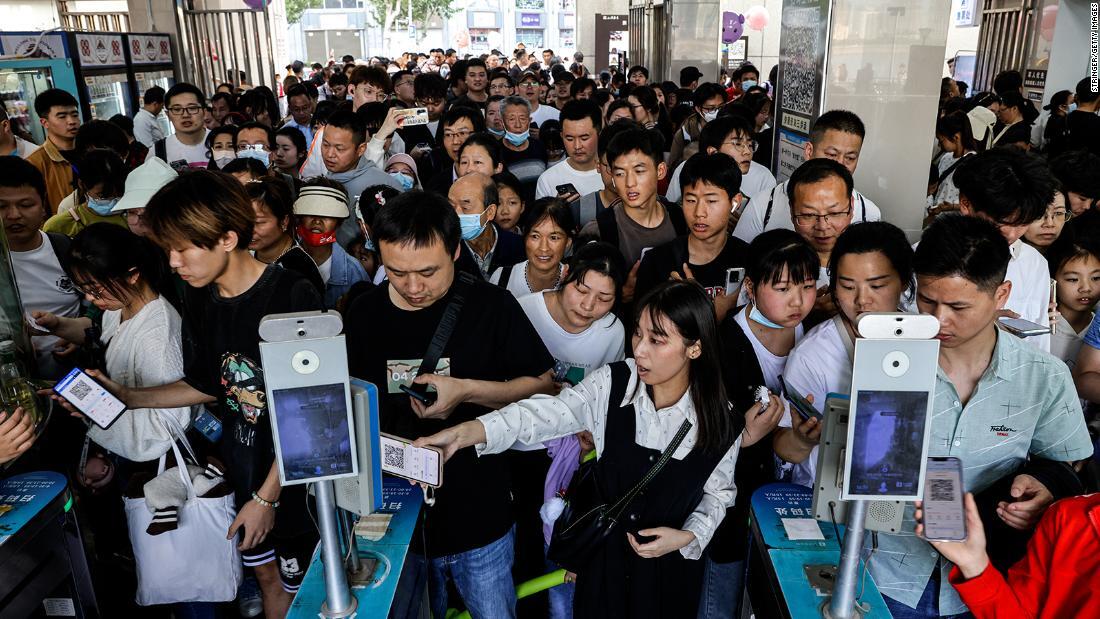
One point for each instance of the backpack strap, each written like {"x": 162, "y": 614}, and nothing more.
{"x": 620, "y": 376}
{"x": 505, "y": 276}
{"x": 676, "y": 217}
{"x": 60, "y": 244}
{"x": 768, "y": 210}
{"x": 863, "y": 208}
{"x": 160, "y": 149}
{"x": 608, "y": 226}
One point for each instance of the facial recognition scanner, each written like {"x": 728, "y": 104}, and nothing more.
{"x": 325, "y": 427}
{"x": 885, "y": 446}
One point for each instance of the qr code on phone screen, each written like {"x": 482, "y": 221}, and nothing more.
{"x": 80, "y": 390}
{"x": 393, "y": 456}
{"x": 941, "y": 490}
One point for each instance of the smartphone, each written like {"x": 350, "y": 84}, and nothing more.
{"x": 733, "y": 279}
{"x": 1023, "y": 328}
{"x": 426, "y": 398}
{"x": 413, "y": 116}
{"x": 944, "y": 513}
{"x": 799, "y": 404}
{"x": 1054, "y": 302}
{"x": 90, "y": 398}
{"x": 400, "y": 458}
{"x": 644, "y": 250}
{"x": 566, "y": 189}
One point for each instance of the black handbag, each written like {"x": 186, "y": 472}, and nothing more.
{"x": 588, "y": 520}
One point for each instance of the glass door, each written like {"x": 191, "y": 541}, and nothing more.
{"x": 107, "y": 95}
{"x": 147, "y": 80}
{"x": 18, "y": 89}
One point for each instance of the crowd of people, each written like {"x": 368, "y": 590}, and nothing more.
{"x": 589, "y": 224}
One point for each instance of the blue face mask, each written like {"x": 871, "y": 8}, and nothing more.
{"x": 405, "y": 180}
{"x": 515, "y": 139}
{"x": 102, "y": 207}
{"x": 758, "y": 317}
{"x": 471, "y": 226}
{"x": 747, "y": 84}
{"x": 497, "y": 132}
{"x": 1073, "y": 106}
{"x": 255, "y": 153}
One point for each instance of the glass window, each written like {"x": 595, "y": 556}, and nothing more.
{"x": 530, "y": 37}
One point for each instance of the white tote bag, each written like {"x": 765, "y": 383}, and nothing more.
{"x": 193, "y": 563}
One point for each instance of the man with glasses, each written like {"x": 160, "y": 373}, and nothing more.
{"x": 529, "y": 89}
{"x": 731, "y": 135}
{"x": 301, "y": 108}
{"x": 836, "y": 135}
{"x": 255, "y": 141}
{"x": 186, "y": 148}
{"x": 1012, "y": 189}
{"x": 708, "y": 99}
{"x": 459, "y": 123}
{"x": 501, "y": 84}
{"x": 403, "y": 88}
{"x": 820, "y": 195}
{"x": 369, "y": 85}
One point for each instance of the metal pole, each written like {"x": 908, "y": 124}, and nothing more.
{"x": 339, "y": 602}
{"x": 843, "y": 603}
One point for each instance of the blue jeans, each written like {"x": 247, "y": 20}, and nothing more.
{"x": 723, "y": 584}
{"x": 561, "y": 596}
{"x": 195, "y": 610}
{"x": 927, "y": 606}
{"x": 483, "y": 577}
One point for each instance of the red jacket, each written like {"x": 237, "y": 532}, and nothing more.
{"x": 1058, "y": 578}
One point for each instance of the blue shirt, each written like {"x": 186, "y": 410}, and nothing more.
{"x": 1024, "y": 403}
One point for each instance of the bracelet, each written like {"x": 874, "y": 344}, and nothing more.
{"x": 264, "y": 502}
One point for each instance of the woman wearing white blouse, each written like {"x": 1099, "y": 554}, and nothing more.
{"x": 675, "y": 376}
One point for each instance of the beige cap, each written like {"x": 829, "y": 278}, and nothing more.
{"x": 143, "y": 182}
{"x": 322, "y": 202}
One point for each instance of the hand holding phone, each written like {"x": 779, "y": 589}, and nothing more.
{"x": 799, "y": 404}
{"x": 1022, "y": 328}
{"x": 427, "y": 398}
{"x": 420, "y": 464}
{"x": 944, "y": 515}
{"x": 90, "y": 398}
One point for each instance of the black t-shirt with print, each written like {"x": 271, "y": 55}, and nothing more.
{"x": 660, "y": 261}
{"x": 221, "y": 345}
{"x": 492, "y": 340}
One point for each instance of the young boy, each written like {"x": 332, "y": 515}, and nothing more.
{"x": 733, "y": 136}
{"x": 59, "y": 113}
{"x": 1012, "y": 189}
{"x": 640, "y": 220}
{"x": 586, "y": 209}
{"x": 711, "y": 187}
{"x": 186, "y": 148}
{"x": 319, "y": 210}
{"x": 204, "y": 221}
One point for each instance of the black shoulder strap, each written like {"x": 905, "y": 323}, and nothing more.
{"x": 608, "y": 226}
{"x": 620, "y": 376}
{"x": 768, "y": 210}
{"x": 446, "y": 325}
{"x": 160, "y": 149}
{"x": 60, "y": 244}
{"x": 680, "y": 251}
{"x": 505, "y": 276}
{"x": 676, "y": 217}
{"x": 862, "y": 208}
{"x": 951, "y": 168}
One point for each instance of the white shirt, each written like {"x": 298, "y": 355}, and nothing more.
{"x": 1065, "y": 344}
{"x": 144, "y": 351}
{"x": 325, "y": 269}
{"x": 584, "y": 407}
{"x": 752, "y": 218}
{"x": 1030, "y": 295}
{"x": 517, "y": 279}
{"x": 561, "y": 173}
{"x": 947, "y": 191}
{"x": 196, "y": 156}
{"x": 543, "y": 114}
{"x": 819, "y": 365}
{"x": 758, "y": 180}
{"x": 576, "y": 354}
{"x": 771, "y": 365}
{"x": 23, "y": 148}
{"x": 43, "y": 285}
{"x": 146, "y": 128}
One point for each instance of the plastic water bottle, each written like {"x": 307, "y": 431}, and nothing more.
{"x": 15, "y": 391}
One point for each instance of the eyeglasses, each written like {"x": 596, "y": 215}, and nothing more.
{"x": 529, "y": 84}
{"x": 461, "y": 135}
{"x": 805, "y": 221}
{"x": 1059, "y": 214}
{"x": 403, "y": 83}
{"x": 710, "y": 108}
{"x": 429, "y": 102}
{"x": 190, "y": 110}
{"x": 742, "y": 144}
{"x": 92, "y": 290}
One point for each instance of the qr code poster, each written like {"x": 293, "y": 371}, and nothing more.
{"x": 802, "y": 57}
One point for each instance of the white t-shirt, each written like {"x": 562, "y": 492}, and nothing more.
{"x": 517, "y": 280}
{"x": 562, "y": 173}
{"x": 818, "y": 365}
{"x": 771, "y": 365}
{"x": 43, "y": 285}
{"x": 23, "y": 148}
{"x": 575, "y": 354}
{"x": 758, "y": 180}
{"x": 543, "y": 114}
{"x": 325, "y": 269}
{"x": 1030, "y": 295}
{"x": 752, "y": 218}
{"x": 196, "y": 156}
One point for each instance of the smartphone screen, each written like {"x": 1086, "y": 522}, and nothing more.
{"x": 90, "y": 398}
{"x": 944, "y": 514}
{"x": 421, "y": 464}
{"x": 800, "y": 404}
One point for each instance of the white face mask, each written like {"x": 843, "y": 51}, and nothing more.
{"x": 711, "y": 115}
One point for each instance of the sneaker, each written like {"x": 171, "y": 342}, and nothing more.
{"x": 249, "y": 602}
